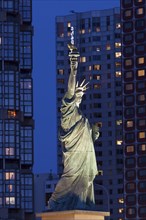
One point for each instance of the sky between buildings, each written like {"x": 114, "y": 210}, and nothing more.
{"x": 44, "y": 73}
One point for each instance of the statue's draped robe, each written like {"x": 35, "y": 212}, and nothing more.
{"x": 75, "y": 188}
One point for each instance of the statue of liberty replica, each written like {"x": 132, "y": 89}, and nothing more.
{"x": 74, "y": 190}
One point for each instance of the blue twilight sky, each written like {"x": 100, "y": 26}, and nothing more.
{"x": 44, "y": 73}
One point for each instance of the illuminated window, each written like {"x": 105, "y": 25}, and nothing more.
{"x": 61, "y": 71}
{"x": 11, "y": 114}
{"x": 121, "y": 200}
{"x": 118, "y": 64}
{"x": 131, "y": 211}
{"x": 142, "y": 147}
{"x": 9, "y": 151}
{"x": 119, "y": 142}
{"x": 139, "y": 11}
{"x": 141, "y": 60}
{"x": 10, "y": 176}
{"x": 118, "y": 73}
{"x": 141, "y": 72}
{"x": 1, "y": 201}
{"x": 97, "y": 67}
{"x": 118, "y": 25}
{"x": 97, "y": 86}
{"x": 82, "y": 59}
{"x": 141, "y": 97}
{"x": 90, "y": 68}
{"x": 121, "y": 210}
{"x": 108, "y": 47}
{"x": 119, "y": 122}
{"x": 0, "y": 40}
{"x": 129, "y": 124}
{"x": 117, "y": 45}
{"x": 142, "y": 135}
{"x": 118, "y": 54}
{"x": 130, "y": 149}
{"x": 69, "y": 24}
{"x": 10, "y": 200}
{"x": 98, "y": 49}
{"x": 129, "y": 86}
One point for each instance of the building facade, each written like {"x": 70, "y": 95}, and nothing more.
{"x": 97, "y": 35}
{"x": 16, "y": 110}
{"x": 133, "y": 15}
{"x": 44, "y": 186}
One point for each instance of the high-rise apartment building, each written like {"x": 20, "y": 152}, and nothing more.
{"x": 16, "y": 110}
{"x": 97, "y": 35}
{"x": 133, "y": 15}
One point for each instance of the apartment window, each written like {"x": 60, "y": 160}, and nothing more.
{"x": 141, "y": 99}
{"x": 11, "y": 114}
{"x": 60, "y": 71}
{"x": 129, "y": 124}
{"x": 130, "y": 149}
{"x": 10, "y": 200}
{"x": 82, "y": 59}
{"x": 97, "y": 86}
{"x": 130, "y": 162}
{"x": 119, "y": 122}
{"x": 141, "y": 135}
{"x": 130, "y": 200}
{"x": 118, "y": 74}
{"x": 9, "y": 175}
{"x": 140, "y": 24}
{"x": 118, "y": 54}
{"x": 142, "y": 211}
{"x": 128, "y": 39}
{"x": 139, "y": 37}
{"x": 129, "y": 100}
{"x": 128, "y": 63}
{"x": 140, "y": 60}
{"x": 142, "y": 174}
{"x": 140, "y": 73}
{"x": 119, "y": 142}
{"x": 128, "y": 26}
{"x": 128, "y": 51}
{"x": 130, "y": 187}
{"x": 141, "y": 111}
{"x": 129, "y": 112}
{"x": 128, "y": 75}
{"x": 127, "y": 14}
{"x": 60, "y": 29}
{"x": 9, "y": 151}
{"x": 129, "y": 87}
{"x": 96, "y": 67}
{"x": 139, "y": 11}
{"x": 118, "y": 25}
{"x": 129, "y": 137}
{"x": 140, "y": 49}
{"x": 131, "y": 212}
{"x": 117, "y": 45}
{"x": 118, "y": 64}
{"x": 108, "y": 47}
{"x": 142, "y": 161}
{"x": 142, "y": 186}
{"x": 141, "y": 148}
{"x": 130, "y": 174}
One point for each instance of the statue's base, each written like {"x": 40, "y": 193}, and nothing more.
{"x": 73, "y": 215}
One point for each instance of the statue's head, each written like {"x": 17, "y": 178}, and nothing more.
{"x": 79, "y": 92}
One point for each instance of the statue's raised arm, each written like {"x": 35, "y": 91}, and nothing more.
{"x": 74, "y": 54}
